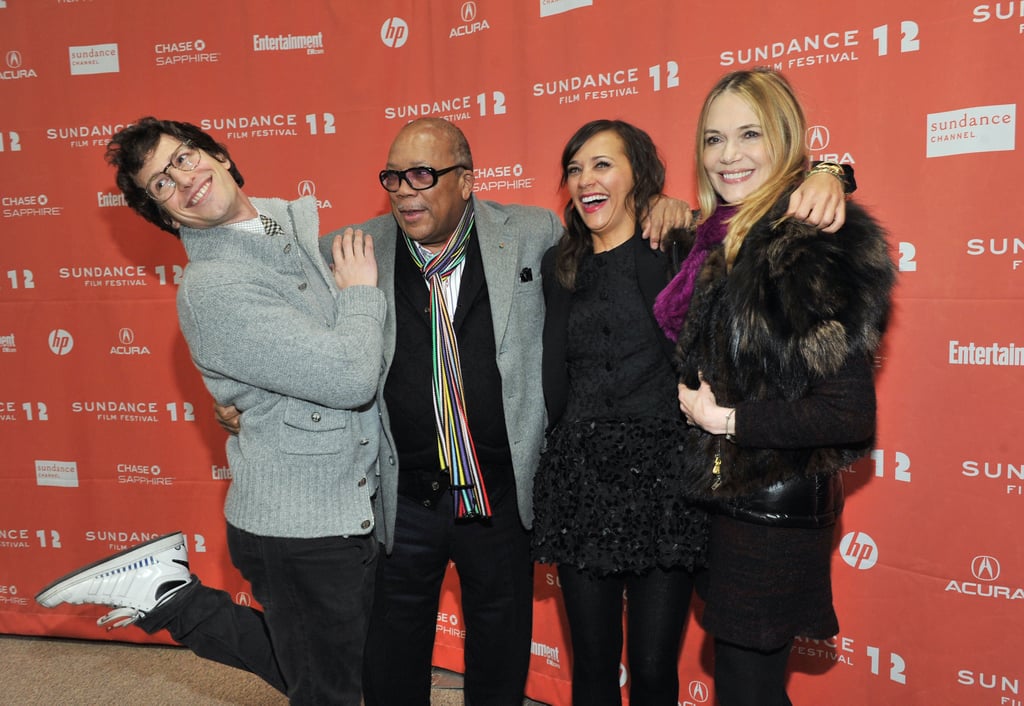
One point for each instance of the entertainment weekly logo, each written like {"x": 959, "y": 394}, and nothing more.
{"x": 310, "y": 43}
{"x": 557, "y": 7}
{"x": 94, "y": 59}
{"x": 986, "y": 355}
{"x": 984, "y": 128}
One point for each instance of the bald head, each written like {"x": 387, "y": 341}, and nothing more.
{"x": 429, "y": 216}
{"x": 443, "y": 133}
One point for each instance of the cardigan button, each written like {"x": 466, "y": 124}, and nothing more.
{"x": 366, "y": 524}
{"x": 302, "y": 287}
{"x": 315, "y": 416}
{"x": 288, "y": 248}
{"x": 361, "y": 483}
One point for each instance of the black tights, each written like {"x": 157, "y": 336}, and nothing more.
{"x": 657, "y": 607}
{"x": 746, "y": 677}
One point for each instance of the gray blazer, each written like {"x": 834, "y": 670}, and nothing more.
{"x": 513, "y": 240}
{"x": 271, "y": 334}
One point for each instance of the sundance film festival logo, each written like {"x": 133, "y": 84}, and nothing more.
{"x": 307, "y": 187}
{"x": 985, "y": 128}
{"x": 15, "y": 67}
{"x": 470, "y": 23}
{"x": 60, "y": 341}
{"x": 126, "y": 344}
{"x": 986, "y": 571}
{"x": 94, "y": 59}
{"x": 859, "y": 550}
{"x": 394, "y": 32}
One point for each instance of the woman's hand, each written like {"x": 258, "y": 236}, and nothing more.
{"x": 664, "y": 215}
{"x": 700, "y": 409}
{"x": 819, "y": 202}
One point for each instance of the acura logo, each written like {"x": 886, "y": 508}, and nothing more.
{"x": 307, "y": 188}
{"x": 817, "y": 137}
{"x": 14, "y": 59}
{"x": 468, "y": 11}
{"x": 985, "y": 568}
{"x": 699, "y": 691}
{"x": 126, "y": 336}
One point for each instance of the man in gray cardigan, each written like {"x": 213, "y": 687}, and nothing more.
{"x": 298, "y": 347}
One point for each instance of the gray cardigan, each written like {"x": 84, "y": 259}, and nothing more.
{"x": 301, "y": 359}
{"x": 513, "y": 240}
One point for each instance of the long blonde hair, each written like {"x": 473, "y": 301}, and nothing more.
{"x": 781, "y": 118}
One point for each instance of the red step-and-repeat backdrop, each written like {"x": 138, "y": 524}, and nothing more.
{"x": 107, "y": 433}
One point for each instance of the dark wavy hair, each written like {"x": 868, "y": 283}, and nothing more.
{"x": 648, "y": 182}
{"x": 129, "y": 149}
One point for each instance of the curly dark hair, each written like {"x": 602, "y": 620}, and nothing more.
{"x": 129, "y": 149}
{"x": 648, "y": 182}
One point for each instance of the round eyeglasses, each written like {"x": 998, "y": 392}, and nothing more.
{"x": 419, "y": 178}
{"x": 161, "y": 185}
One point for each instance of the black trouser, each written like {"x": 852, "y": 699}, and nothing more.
{"x": 746, "y": 677}
{"x": 492, "y": 558}
{"x": 308, "y": 640}
{"x": 657, "y": 605}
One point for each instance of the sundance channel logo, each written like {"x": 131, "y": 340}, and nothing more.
{"x": 94, "y": 59}
{"x": 984, "y": 128}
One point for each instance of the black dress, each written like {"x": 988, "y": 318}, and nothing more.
{"x": 606, "y": 494}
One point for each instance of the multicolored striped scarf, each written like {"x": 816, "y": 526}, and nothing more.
{"x": 456, "y": 451}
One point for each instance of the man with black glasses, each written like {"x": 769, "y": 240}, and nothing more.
{"x": 465, "y": 410}
{"x": 298, "y": 346}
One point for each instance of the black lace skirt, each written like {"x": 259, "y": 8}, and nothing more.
{"x": 606, "y": 499}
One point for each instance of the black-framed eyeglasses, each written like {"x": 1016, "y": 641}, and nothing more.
{"x": 161, "y": 185}
{"x": 419, "y": 178}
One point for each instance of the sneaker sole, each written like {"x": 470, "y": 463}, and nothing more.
{"x": 47, "y": 597}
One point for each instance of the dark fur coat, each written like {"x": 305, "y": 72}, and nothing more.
{"x": 798, "y": 306}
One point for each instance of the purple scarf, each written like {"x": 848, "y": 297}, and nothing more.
{"x": 671, "y": 305}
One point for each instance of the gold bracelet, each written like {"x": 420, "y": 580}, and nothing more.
{"x": 829, "y": 168}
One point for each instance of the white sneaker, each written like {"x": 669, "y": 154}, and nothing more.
{"x": 134, "y": 581}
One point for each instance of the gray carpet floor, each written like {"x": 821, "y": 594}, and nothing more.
{"x": 58, "y": 672}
